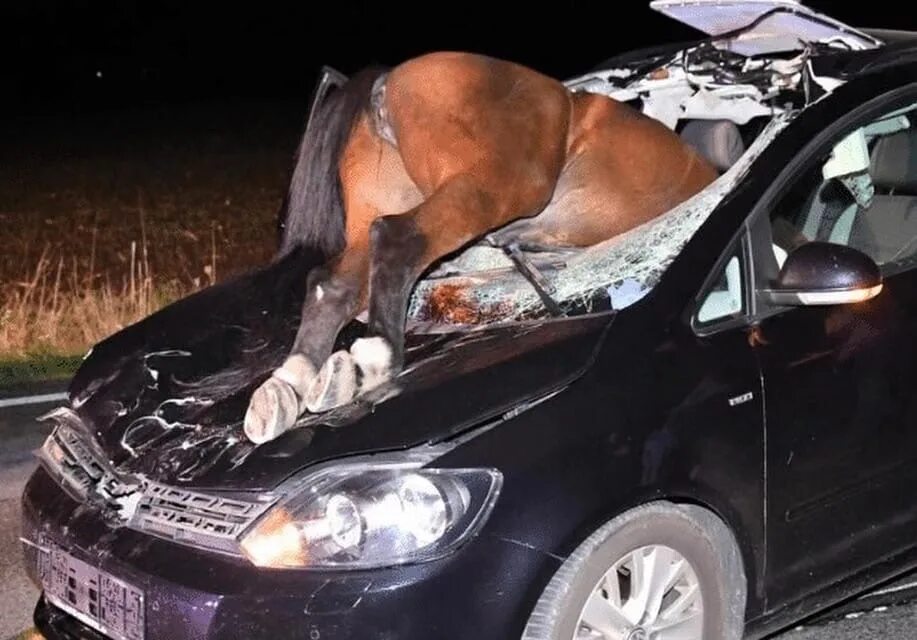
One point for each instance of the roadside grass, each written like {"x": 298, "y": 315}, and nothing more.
{"x": 38, "y": 367}
{"x": 50, "y": 319}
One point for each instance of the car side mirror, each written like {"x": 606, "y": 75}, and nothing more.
{"x": 824, "y": 273}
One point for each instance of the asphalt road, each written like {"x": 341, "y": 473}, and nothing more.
{"x": 20, "y": 434}
{"x": 17, "y": 594}
{"x": 890, "y": 612}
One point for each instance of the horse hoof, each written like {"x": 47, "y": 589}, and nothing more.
{"x": 336, "y": 384}
{"x": 297, "y": 372}
{"x": 374, "y": 357}
{"x": 272, "y": 410}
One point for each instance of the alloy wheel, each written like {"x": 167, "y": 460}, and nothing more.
{"x": 651, "y": 593}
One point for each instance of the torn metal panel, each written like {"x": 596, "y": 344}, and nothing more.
{"x": 740, "y": 109}
{"x": 665, "y": 104}
{"x": 703, "y": 83}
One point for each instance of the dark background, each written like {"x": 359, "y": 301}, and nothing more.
{"x": 105, "y": 54}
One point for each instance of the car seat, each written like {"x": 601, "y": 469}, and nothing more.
{"x": 719, "y": 141}
{"x": 887, "y": 229}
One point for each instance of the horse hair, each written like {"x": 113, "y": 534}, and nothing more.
{"x": 313, "y": 210}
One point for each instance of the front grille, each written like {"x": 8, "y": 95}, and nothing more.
{"x": 202, "y": 519}
{"x": 199, "y": 519}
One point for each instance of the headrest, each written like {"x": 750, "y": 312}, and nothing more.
{"x": 894, "y": 163}
{"x": 719, "y": 141}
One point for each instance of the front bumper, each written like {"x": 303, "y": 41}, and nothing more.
{"x": 485, "y": 590}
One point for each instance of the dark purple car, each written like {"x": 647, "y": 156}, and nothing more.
{"x": 716, "y": 437}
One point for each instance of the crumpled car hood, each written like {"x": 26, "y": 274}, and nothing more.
{"x": 148, "y": 397}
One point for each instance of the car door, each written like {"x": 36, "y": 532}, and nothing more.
{"x": 839, "y": 379}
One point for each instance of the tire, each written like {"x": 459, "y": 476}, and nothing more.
{"x": 697, "y": 535}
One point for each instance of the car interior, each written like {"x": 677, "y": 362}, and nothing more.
{"x": 863, "y": 194}
{"x": 721, "y": 142}
{"x": 887, "y": 229}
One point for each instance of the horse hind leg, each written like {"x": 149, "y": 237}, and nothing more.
{"x": 337, "y": 380}
{"x": 403, "y": 246}
{"x": 334, "y": 296}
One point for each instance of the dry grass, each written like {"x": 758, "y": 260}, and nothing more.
{"x": 104, "y": 220}
{"x": 61, "y": 310}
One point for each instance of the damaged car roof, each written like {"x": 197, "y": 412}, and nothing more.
{"x": 755, "y": 27}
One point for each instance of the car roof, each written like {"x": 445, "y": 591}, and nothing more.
{"x": 899, "y": 48}
{"x": 762, "y": 27}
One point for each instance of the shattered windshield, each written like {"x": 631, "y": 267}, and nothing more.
{"x": 483, "y": 286}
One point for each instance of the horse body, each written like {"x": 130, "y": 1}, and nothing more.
{"x": 622, "y": 169}
{"x": 402, "y": 167}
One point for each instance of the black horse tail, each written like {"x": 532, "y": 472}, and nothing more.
{"x": 312, "y": 214}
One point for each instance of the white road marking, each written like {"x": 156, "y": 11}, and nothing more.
{"x": 26, "y": 400}
{"x": 888, "y": 590}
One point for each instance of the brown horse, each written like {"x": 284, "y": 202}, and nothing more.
{"x": 399, "y": 168}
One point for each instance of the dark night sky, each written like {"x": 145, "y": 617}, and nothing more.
{"x": 51, "y": 52}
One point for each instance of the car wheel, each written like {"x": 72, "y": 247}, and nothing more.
{"x": 660, "y": 571}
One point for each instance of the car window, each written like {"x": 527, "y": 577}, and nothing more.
{"x": 726, "y": 297}
{"x": 862, "y": 193}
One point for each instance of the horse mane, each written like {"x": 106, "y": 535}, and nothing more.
{"x": 312, "y": 214}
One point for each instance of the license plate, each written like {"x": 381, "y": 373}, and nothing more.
{"x": 107, "y": 604}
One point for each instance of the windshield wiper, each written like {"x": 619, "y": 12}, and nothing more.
{"x": 531, "y": 273}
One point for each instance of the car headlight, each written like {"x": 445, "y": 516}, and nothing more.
{"x": 361, "y": 516}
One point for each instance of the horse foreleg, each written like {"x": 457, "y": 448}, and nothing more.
{"x": 334, "y": 294}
